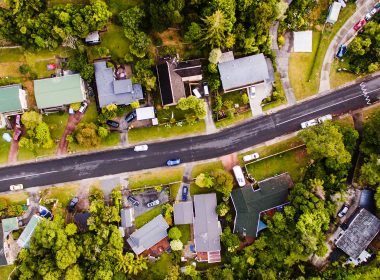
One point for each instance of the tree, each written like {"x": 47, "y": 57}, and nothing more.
{"x": 245, "y": 98}
{"x": 176, "y": 245}
{"x": 144, "y": 74}
{"x": 139, "y": 46}
{"x": 193, "y": 105}
{"x": 103, "y": 132}
{"x": 371, "y": 135}
{"x": 24, "y": 69}
{"x": 131, "y": 20}
{"x": 222, "y": 209}
{"x": 42, "y": 136}
{"x": 71, "y": 229}
{"x": 204, "y": 180}
{"x": 218, "y": 104}
{"x": 370, "y": 171}
{"x": 216, "y": 29}
{"x": 73, "y": 273}
{"x": 31, "y": 119}
{"x": 194, "y": 33}
{"x": 230, "y": 241}
{"x": 135, "y": 104}
{"x": 214, "y": 56}
{"x": 174, "y": 233}
{"x": 86, "y": 135}
{"x": 223, "y": 181}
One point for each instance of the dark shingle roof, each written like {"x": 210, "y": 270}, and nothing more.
{"x": 249, "y": 203}
{"x": 164, "y": 84}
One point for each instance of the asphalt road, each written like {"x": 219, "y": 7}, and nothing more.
{"x": 229, "y": 140}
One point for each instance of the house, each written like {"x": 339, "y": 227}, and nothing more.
{"x": 9, "y": 225}
{"x": 93, "y": 38}
{"x": 361, "y": 230}
{"x": 303, "y": 41}
{"x": 249, "y": 204}
{"x": 114, "y": 91}
{"x": 172, "y": 77}
{"x": 334, "y": 11}
{"x": 367, "y": 200}
{"x": 56, "y": 93}
{"x": 183, "y": 213}
{"x": 23, "y": 240}
{"x": 80, "y": 220}
{"x": 12, "y": 102}
{"x": 207, "y": 228}
{"x": 226, "y": 56}
{"x": 243, "y": 73}
{"x": 127, "y": 217}
{"x": 150, "y": 239}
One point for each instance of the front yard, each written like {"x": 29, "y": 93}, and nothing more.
{"x": 155, "y": 178}
{"x": 4, "y": 146}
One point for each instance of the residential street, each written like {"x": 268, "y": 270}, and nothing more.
{"x": 190, "y": 149}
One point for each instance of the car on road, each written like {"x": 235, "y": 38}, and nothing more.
{"x": 17, "y": 134}
{"x": 251, "y": 157}
{"x": 131, "y": 116}
{"x": 359, "y": 24}
{"x": 16, "y": 187}
{"x": 153, "y": 203}
{"x": 141, "y": 148}
{"x": 309, "y": 123}
{"x": 325, "y": 118}
{"x": 83, "y": 107}
{"x": 172, "y": 162}
{"x": 343, "y": 211}
{"x": 18, "y": 121}
{"x": 73, "y": 203}
{"x": 342, "y": 50}
{"x": 112, "y": 123}
{"x": 185, "y": 192}
{"x": 133, "y": 200}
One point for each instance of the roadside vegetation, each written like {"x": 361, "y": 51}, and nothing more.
{"x": 155, "y": 178}
{"x": 4, "y": 148}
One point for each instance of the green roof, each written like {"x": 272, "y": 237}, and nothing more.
{"x": 58, "y": 91}
{"x": 249, "y": 203}
{"x": 23, "y": 240}
{"x": 9, "y": 99}
{"x": 10, "y": 224}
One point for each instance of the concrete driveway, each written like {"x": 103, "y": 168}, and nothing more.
{"x": 262, "y": 91}
{"x": 149, "y": 196}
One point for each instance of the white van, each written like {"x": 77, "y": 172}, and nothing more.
{"x": 205, "y": 90}
{"x": 239, "y": 176}
{"x": 197, "y": 93}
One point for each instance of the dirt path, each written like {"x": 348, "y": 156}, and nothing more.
{"x": 13, "y": 152}
{"x": 229, "y": 161}
{"x": 70, "y": 127}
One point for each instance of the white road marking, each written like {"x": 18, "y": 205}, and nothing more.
{"x": 30, "y": 175}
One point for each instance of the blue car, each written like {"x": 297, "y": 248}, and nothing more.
{"x": 172, "y": 162}
{"x": 342, "y": 50}
{"x": 185, "y": 191}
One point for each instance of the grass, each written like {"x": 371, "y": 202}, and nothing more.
{"x": 16, "y": 198}
{"x": 368, "y": 111}
{"x": 160, "y": 132}
{"x": 346, "y": 121}
{"x": 281, "y": 95}
{"x": 206, "y": 167}
{"x": 194, "y": 189}
{"x": 293, "y": 162}
{"x": 91, "y": 114}
{"x": 25, "y": 154}
{"x": 63, "y": 194}
{"x": 4, "y": 147}
{"x": 116, "y": 6}
{"x": 155, "y": 178}
{"x": 340, "y": 78}
{"x": 164, "y": 115}
{"x": 5, "y": 271}
{"x": 238, "y": 118}
{"x": 174, "y": 190}
{"x": 57, "y": 123}
{"x": 186, "y": 235}
{"x": 115, "y": 40}
{"x": 147, "y": 216}
{"x": 113, "y": 139}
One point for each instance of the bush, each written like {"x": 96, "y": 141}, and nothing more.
{"x": 174, "y": 233}
{"x": 135, "y": 104}
{"x": 245, "y": 99}
{"x": 24, "y": 69}
{"x": 281, "y": 40}
{"x": 212, "y": 68}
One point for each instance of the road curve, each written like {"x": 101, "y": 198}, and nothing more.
{"x": 193, "y": 148}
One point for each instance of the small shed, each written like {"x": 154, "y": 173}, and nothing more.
{"x": 334, "y": 12}
{"x": 127, "y": 217}
{"x": 183, "y": 213}
{"x": 145, "y": 113}
{"x": 9, "y": 225}
{"x": 303, "y": 41}
{"x": 93, "y": 38}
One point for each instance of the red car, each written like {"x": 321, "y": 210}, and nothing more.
{"x": 359, "y": 24}
{"x": 17, "y": 134}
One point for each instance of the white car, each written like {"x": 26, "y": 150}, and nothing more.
{"x": 153, "y": 203}
{"x": 309, "y": 123}
{"x": 343, "y": 211}
{"x": 16, "y": 187}
{"x": 325, "y": 118}
{"x": 141, "y": 148}
{"x": 251, "y": 157}
{"x": 252, "y": 91}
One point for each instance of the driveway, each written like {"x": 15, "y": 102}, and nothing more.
{"x": 262, "y": 91}
{"x": 70, "y": 127}
{"x": 148, "y": 196}
{"x": 344, "y": 36}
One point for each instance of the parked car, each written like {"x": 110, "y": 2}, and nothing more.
{"x": 71, "y": 111}
{"x": 343, "y": 211}
{"x": 112, "y": 123}
{"x": 133, "y": 200}
{"x": 342, "y": 50}
{"x": 131, "y": 116}
{"x": 73, "y": 203}
{"x": 141, "y": 148}
{"x": 377, "y": 6}
{"x": 17, "y": 134}
{"x": 205, "y": 89}
{"x": 16, "y": 187}
{"x": 252, "y": 91}
{"x": 153, "y": 203}
{"x": 83, "y": 107}
{"x": 185, "y": 191}
{"x": 251, "y": 157}
{"x": 370, "y": 14}
{"x": 359, "y": 24}
{"x": 309, "y": 123}
{"x": 325, "y": 118}
{"x": 18, "y": 121}
{"x": 172, "y": 162}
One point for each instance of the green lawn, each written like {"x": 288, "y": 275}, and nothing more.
{"x": 174, "y": 190}
{"x": 238, "y": 118}
{"x": 281, "y": 95}
{"x": 340, "y": 78}
{"x": 293, "y": 162}
{"x": 164, "y": 115}
{"x": 112, "y": 140}
{"x": 155, "y": 178}
{"x": 25, "y": 154}
{"x": 63, "y": 193}
{"x": 5, "y": 271}
{"x": 91, "y": 114}
{"x": 143, "y": 134}
{"x": 206, "y": 167}
{"x": 368, "y": 111}
{"x": 147, "y": 216}
{"x": 57, "y": 123}
{"x": 15, "y": 198}
{"x": 115, "y": 41}
{"x": 186, "y": 235}
{"x": 194, "y": 189}
{"x": 4, "y": 147}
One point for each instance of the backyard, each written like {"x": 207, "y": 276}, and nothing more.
{"x": 5, "y": 271}
{"x": 339, "y": 78}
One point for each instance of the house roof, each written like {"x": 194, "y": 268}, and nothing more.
{"x": 367, "y": 200}
{"x": 10, "y": 224}
{"x": 334, "y": 12}
{"x": 10, "y": 99}
{"x": 58, "y": 91}
{"x": 127, "y": 217}
{"x": 80, "y": 220}
{"x": 303, "y": 41}
{"x": 148, "y": 235}
{"x": 360, "y": 232}
{"x": 226, "y": 56}
{"x": 164, "y": 83}
{"x": 111, "y": 91}
{"x": 243, "y": 72}
{"x": 183, "y": 213}
{"x": 93, "y": 37}
{"x": 189, "y": 68}
{"x": 207, "y": 228}
{"x": 23, "y": 240}
{"x": 249, "y": 203}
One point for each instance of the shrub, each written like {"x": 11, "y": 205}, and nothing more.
{"x": 24, "y": 69}
{"x": 174, "y": 233}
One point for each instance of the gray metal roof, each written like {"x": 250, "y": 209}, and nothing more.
{"x": 243, "y": 72}
{"x": 127, "y": 217}
{"x": 148, "y": 235}
{"x": 119, "y": 92}
{"x": 23, "y": 240}
{"x": 183, "y": 213}
{"x": 207, "y": 228}
{"x": 361, "y": 231}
